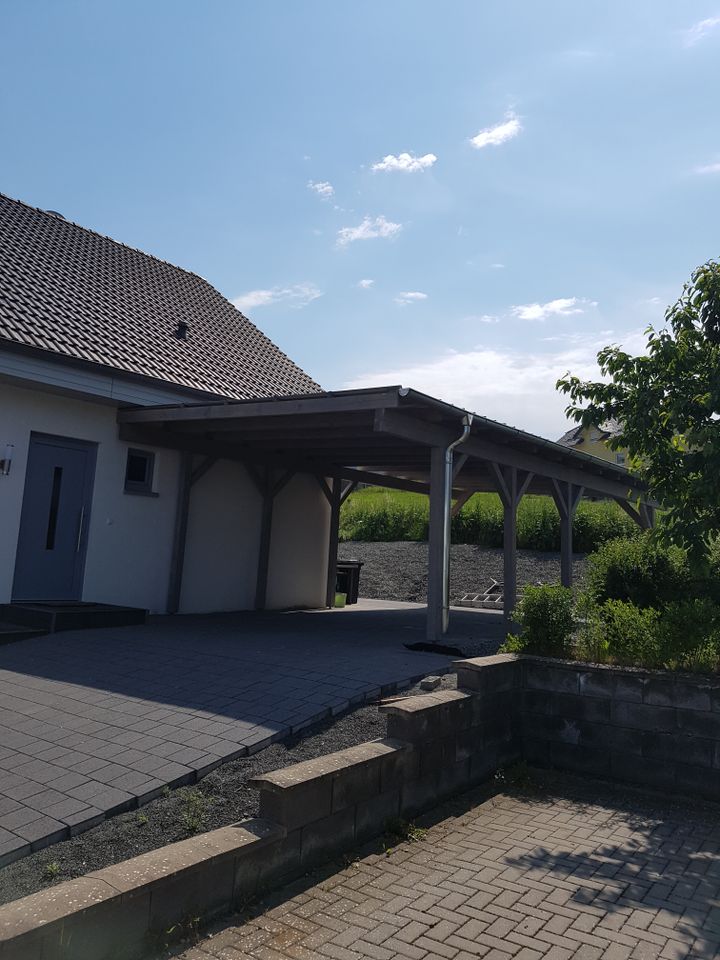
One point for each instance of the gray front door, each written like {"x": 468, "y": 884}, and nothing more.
{"x": 51, "y": 549}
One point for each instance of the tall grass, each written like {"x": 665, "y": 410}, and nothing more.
{"x": 385, "y": 515}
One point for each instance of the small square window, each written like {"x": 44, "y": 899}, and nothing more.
{"x": 139, "y": 472}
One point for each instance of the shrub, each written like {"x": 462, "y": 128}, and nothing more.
{"x": 546, "y": 621}
{"x": 630, "y": 633}
{"x": 376, "y": 514}
{"x": 638, "y": 571}
{"x": 685, "y": 628}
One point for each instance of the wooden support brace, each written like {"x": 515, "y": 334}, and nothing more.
{"x": 460, "y": 501}
{"x": 347, "y": 489}
{"x": 201, "y": 470}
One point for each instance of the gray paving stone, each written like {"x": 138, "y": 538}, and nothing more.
{"x": 107, "y": 719}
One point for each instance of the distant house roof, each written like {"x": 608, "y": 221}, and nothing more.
{"x": 80, "y": 296}
{"x": 608, "y": 429}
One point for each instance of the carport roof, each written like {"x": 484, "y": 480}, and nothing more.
{"x": 381, "y": 435}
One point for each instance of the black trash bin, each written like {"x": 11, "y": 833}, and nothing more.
{"x": 348, "y": 579}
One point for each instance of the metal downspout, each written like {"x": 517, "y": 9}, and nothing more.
{"x": 447, "y": 518}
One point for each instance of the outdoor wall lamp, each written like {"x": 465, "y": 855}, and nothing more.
{"x": 7, "y": 459}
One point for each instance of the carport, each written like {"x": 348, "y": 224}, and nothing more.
{"x": 393, "y": 437}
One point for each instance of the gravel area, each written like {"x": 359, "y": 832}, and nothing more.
{"x": 398, "y": 571}
{"x": 221, "y": 798}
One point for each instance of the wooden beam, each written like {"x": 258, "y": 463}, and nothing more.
{"x": 182, "y": 509}
{"x": 586, "y": 474}
{"x": 643, "y": 515}
{"x": 200, "y": 471}
{"x": 435, "y": 545}
{"x": 460, "y": 501}
{"x": 458, "y": 463}
{"x": 345, "y": 403}
{"x": 323, "y": 484}
{"x": 333, "y": 541}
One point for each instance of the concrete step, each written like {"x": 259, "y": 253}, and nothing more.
{"x": 12, "y": 632}
{"x": 50, "y": 617}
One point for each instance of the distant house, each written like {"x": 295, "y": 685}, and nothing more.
{"x": 595, "y": 441}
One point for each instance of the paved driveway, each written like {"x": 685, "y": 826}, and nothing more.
{"x": 95, "y": 722}
{"x": 574, "y": 875}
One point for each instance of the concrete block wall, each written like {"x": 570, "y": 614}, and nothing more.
{"x": 438, "y": 744}
{"x": 645, "y": 727}
{"x": 652, "y": 728}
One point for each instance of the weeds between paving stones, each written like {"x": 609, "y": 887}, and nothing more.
{"x": 400, "y": 831}
{"x": 518, "y": 777}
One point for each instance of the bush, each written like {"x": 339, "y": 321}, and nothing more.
{"x": 686, "y": 628}
{"x": 630, "y": 633}
{"x": 376, "y": 514}
{"x": 638, "y": 571}
{"x": 546, "y": 621}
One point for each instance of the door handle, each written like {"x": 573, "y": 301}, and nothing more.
{"x": 80, "y": 529}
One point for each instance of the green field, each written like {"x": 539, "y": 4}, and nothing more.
{"x": 376, "y": 514}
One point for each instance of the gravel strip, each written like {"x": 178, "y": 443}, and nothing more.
{"x": 398, "y": 571}
{"x": 221, "y": 798}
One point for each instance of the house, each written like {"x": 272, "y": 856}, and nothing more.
{"x": 158, "y": 451}
{"x": 88, "y": 325}
{"x": 594, "y": 441}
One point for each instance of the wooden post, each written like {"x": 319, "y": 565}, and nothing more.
{"x": 336, "y": 491}
{"x": 264, "y": 548}
{"x": 511, "y": 486}
{"x": 566, "y": 496}
{"x": 182, "y": 508}
{"x": 269, "y": 491}
{"x": 435, "y": 545}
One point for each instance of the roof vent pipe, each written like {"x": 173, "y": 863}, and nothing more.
{"x": 447, "y": 518}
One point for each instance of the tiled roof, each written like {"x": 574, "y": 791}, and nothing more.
{"x": 74, "y": 293}
{"x": 610, "y": 428}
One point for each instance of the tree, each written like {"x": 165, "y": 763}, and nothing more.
{"x": 668, "y": 402}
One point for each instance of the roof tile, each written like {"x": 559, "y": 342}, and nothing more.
{"x": 69, "y": 291}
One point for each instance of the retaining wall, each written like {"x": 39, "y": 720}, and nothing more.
{"x": 634, "y": 725}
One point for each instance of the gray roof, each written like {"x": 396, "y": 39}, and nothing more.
{"x": 79, "y": 296}
{"x": 610, "y": 428}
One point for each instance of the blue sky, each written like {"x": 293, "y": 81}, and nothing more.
{"x": 517, "y": 183}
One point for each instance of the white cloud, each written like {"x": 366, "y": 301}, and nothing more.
{"x": 500, "y": 133}
{"x": 322, "y": 188}
{"x": 482, "y": 318}
{"x": 410, "y": 296}
{"x": 404, "y": 162}
{"x": 708, "y": 168}
{"x": 298, "y": 296}
{"x": 369, "y": 229}
{"x": 365, "y": 284}
{"x": 700, "y": 30}
{"x": 563, "y": 307}
{"x": 515, "y": 387}
{"x": 497, "y": 266}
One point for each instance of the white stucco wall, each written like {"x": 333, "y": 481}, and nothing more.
{"x": 298, "y": 549}
{"x": 130, "y": 537}
{"x": 222, "y": 541}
